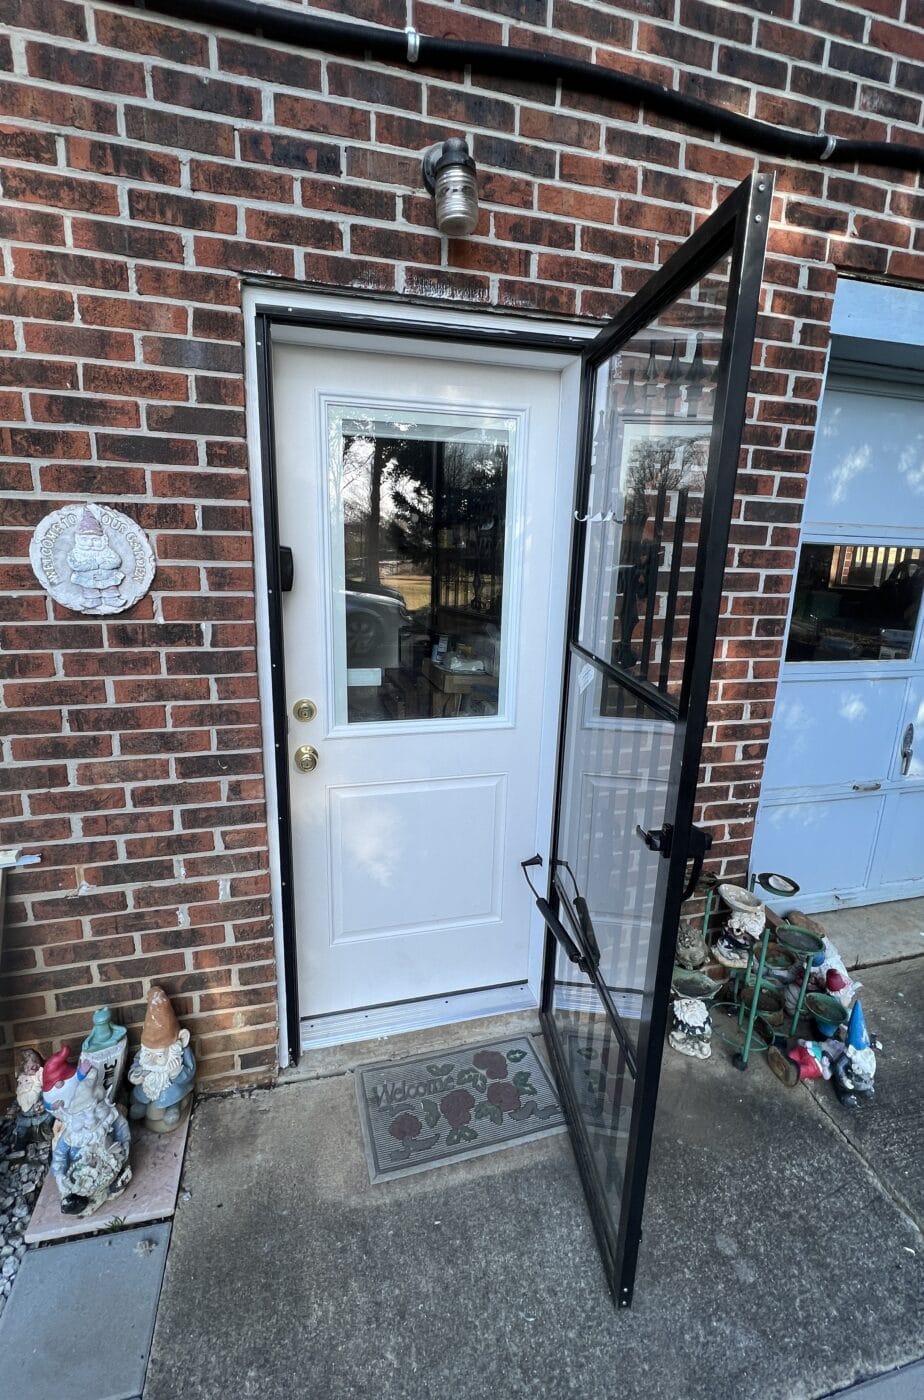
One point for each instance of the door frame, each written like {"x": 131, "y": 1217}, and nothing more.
{"x": 375, "y": 323}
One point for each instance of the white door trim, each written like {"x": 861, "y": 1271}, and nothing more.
{"x": 446, "y": 319}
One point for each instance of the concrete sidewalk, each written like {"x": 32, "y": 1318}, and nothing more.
{"x": 776, "y": 1265}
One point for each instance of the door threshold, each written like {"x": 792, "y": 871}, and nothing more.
{"x": 368, "y": 1023}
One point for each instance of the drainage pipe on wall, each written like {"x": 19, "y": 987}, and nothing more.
{"x": 398, "y": 46}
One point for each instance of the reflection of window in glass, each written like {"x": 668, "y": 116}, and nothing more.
{"x": 423, "y": 507}
{"x": 855, "y": 602}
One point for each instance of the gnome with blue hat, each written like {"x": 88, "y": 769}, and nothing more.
{"x": 855, "y": 1069}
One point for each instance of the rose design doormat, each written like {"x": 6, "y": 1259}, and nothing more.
{"x": 448, "y": 1105}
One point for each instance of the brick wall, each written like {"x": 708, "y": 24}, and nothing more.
{"x": 148, "y": 167}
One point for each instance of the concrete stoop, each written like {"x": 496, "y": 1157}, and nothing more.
{"x": 782, "y": 1257}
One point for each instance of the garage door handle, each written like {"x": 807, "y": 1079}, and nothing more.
{"x": 866, "y": 787}
{"x": 907, "y": 748}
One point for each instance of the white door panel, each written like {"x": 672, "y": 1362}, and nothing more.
{"x": 416, "y": 494}
{"x": 900, "y": 853}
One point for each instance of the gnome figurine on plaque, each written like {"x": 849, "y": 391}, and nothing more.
{"x": 163, "y": 1071}
{"x": 89, "y": 1156}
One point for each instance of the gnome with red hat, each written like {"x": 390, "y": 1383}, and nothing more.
{"x": 89, "y": 1159}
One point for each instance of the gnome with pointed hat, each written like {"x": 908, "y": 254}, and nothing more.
{"x": 163, "y": 1071}
{"x": 95, "y": 565}
{"x": 855, "y": 1070}
{"x": 89, "y": 1158}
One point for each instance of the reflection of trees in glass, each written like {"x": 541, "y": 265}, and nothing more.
{"x": 656, "y": 468}
{"x": 663, "y": 464}
{"x": 435, "y": 505}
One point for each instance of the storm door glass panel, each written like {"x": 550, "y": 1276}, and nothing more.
{"x": 616, "y": 777}
{"x": 654, "y": 407}
{"x": 419, "y": 559}
{"x": 856, "y": 602}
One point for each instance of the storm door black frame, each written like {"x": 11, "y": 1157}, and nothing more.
{"x": 739, "y": 228}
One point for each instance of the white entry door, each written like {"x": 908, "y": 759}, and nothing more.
{"x": 416, "y": 493}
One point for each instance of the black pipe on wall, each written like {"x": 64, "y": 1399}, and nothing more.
{"x": 398, "y": 46}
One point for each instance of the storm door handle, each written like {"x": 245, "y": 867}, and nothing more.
{"x": 700, "y": 843}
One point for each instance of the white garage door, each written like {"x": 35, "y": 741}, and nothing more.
{"x": 842, "y": 806}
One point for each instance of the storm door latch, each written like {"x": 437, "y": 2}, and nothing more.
{"x": 659, "y": 839}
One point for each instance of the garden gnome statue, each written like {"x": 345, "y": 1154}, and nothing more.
{"x": 855, "y": 1069}
{"x": 106, "y": 1047}
{"x": 691, "y": 1028}
{"x": 95, "y": 566}
{"x": 164, "y": 1069}
{"x": 89, "y": 1158}
{"x": 33, "y": 1121}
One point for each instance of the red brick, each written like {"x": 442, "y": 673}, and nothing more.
{"x": 33, "y": 102}
{"x": 321, "y": 116}
{"x": 281, "y": 66}
{"x": 44, "y": 442}
{"x": 292, "y": 228}
{"x": 168, "y": 130}
{"x": 135, "y": 315}
{"x": 155, "y": 207}
{"x": 73, "y": 67}
{"x": 24, "y": 143}
{"x": 140, "y": 383}
{"x": 33, "y": 374}
{"x": 185, "y": 286}
{"x": 108, "y": 413}
{"x": 33, "y": 265}
{"x": 177, "y": 88}
{"x": 128, "y": 240}
{"x": 296, "y": 152}
{"x": 57, "y": 17}
{"x": 364, "y": 83}
{"x": 123, "y": 161}
{"x": 137, "y": 35}
{"x": 241, "y": 182}
{"x": 59, "y": 191}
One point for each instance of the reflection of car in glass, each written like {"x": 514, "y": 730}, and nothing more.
{"x": 375, "y": 618}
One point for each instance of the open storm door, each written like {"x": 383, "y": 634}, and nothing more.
{"x": 664, "y": 396}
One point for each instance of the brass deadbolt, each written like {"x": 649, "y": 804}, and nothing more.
{"x": 304, "y": 710}
{"x": 306, "y": 758}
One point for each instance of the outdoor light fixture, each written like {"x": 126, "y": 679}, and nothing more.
{"x": 449, "y": 175}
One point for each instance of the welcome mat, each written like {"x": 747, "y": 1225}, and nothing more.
{"x": 452, "y": 1104}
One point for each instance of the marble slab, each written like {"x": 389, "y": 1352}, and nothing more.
{"x": 157, "y": 1160}
{"x": 79, "y": 1320}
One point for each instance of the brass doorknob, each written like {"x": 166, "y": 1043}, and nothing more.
{"x": 304, "y": 710}
{"x": 306, "y": 758}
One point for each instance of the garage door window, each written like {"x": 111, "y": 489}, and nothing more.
{"x": 856, "y": 602}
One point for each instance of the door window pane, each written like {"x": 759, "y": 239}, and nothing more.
{"x": 419, "y": 510}
{"x": 654, "y": 405}
{"x": 855, "y": 602}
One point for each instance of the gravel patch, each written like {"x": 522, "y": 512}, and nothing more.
{"x": 21, "y": 1177}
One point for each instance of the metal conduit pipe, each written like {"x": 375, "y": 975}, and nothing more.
{"x": 408, "y": 47}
